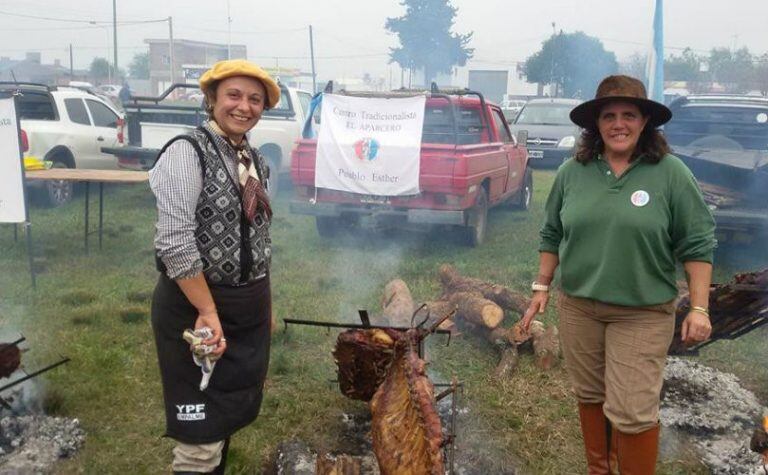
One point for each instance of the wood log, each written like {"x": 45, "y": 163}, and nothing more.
{"x": 438, "y": 308}
{"x": 520, "y": 336}
{"x": 338, "y": 465}
{"x": 476, "y": 309}
{"x": 504, "y": 297}
{"x": 397, "y": 303}
{"x": 546, "y": 346}
{"x": 501, "y": 336}
{"x": 507, "y": 363}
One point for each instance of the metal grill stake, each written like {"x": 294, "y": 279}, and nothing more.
{"x": 27, "y": 376}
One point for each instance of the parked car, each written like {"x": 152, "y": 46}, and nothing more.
{"x": 551, "y": 134}
{"x": 724, "y": 141}
{"x": 470, "y": 162}
{"x": 511, "y": 108}
{"x": 111, "y": 90}
{"x": 152, "y": 121}
{"x": 67, "y": 127}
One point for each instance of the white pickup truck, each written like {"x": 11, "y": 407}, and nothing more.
{"x": 152, "y": 121}
{"x": 67, "y": 127}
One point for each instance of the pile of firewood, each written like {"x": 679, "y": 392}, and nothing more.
{"x": 382, "y": 365}
{"x": 481, "y": 308}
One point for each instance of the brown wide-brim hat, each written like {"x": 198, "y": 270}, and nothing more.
{"x": 240, "y": 67}
{"x": 624, "y": 89}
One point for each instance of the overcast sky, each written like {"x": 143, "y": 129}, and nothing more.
{"x": 349, "y": 34}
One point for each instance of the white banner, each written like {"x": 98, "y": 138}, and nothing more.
{"x": 370, "y": 146}
{"x": 12, "y": 206}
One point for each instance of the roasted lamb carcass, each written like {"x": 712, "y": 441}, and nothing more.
{"x": 405, "y": 427}
{"x": 362, "y": 358}
{"x": 10, "y": 359}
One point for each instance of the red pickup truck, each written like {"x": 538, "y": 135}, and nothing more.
{"x": 469, "y": 163}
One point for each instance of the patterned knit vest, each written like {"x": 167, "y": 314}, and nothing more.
{"x": 221, "y": 222}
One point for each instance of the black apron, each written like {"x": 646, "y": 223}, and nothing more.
{"x": 233, "y": 397}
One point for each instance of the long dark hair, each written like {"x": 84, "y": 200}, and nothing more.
{"x": 651, "y": 145}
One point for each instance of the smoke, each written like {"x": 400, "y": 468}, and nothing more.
{"x": 363, "y": 262}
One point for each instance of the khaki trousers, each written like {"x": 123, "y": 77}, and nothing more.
{"x": 201, "y": 458}
{"x": 615, "y": 355}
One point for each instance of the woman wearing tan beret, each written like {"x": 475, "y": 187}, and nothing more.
{"x": 213, "y": 251}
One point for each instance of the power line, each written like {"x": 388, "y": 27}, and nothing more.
{"x": 263, "y": 32}
{"x": 70, "y": 20}
{"x": 63, "y": 48}
{"x": 352, "y": 56}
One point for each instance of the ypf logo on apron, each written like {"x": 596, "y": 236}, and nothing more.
{"x": 190, "y": 412}
{"x": 640, "y": 198}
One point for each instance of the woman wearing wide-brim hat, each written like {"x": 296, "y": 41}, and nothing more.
{"x": 619, "y": 216}
{"x": 213, "y": 251}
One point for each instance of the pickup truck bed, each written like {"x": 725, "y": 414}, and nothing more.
{"x": 152, "y": 121}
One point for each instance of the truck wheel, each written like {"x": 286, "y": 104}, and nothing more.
{"x": 327, "y": 226}
{"x": 274, "y": 177}
{"x": 478, "y": 220}
{"x": 58, "y": 192}
{"x": 524, "y": 197}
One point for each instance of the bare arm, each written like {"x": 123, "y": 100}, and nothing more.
{"x": 696, "y": 326}
{"x": 199, "y": 294}
{"x": 548, "y": 262}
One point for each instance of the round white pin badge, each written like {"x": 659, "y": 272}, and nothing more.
{"x": 640, "y": 198}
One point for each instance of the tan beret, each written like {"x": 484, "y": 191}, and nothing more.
{"x": 240, "y": 67}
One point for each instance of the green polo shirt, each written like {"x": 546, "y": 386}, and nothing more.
{"x": 618, "y": 238}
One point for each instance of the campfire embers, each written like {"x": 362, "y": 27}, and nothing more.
{"x": 30, "y": 442}
{"x": 10, "y": 361}
{"x": 406, "y": 429}
{"x": 759, "y": 442}
{"x": 735, "y": 308}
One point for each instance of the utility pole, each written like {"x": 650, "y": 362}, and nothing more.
{"x": 114, "y": 32}
{"x": 170, "y": 47}
{"x": 312, "y": 56}
{"x": 71, "y": 64}
{"x": 552, "y": 65}
{"x": 229, "y": 33}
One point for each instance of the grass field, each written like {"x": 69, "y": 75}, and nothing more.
{"x": 95, "y": 309}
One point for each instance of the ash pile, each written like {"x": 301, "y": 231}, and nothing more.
{"x": 30, "y": 441}
{"x": 713, "y": 412}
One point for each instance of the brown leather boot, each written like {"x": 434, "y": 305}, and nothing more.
{"x": 638, "y": 452}
{"x": 593, "y": 429}
{"x": 613, "y": 449}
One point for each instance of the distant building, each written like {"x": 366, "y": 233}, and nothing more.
{"x": 190, "y": 58}
{"x": 31, "y": 69}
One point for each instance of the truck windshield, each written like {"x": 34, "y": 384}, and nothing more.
{"x": 545, "y": 114}
{"x": 719, "y": 127}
